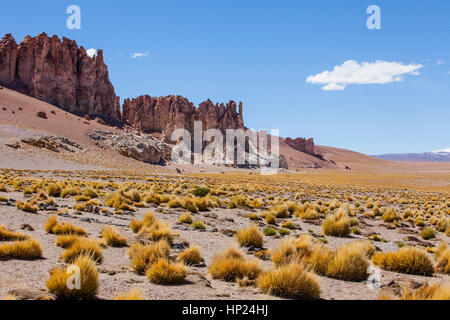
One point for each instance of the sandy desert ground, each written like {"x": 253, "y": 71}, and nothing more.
{"x": 322, "y": 228}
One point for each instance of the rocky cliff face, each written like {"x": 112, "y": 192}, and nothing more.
{"x": 166, "y": 114}
{"x": 60, "y": 73}
{"x": 301, "y": 144}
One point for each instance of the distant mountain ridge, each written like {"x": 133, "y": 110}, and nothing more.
{"x": 435, "y": 156}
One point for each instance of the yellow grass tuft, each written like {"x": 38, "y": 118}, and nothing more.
{"x": 83, "y": 247}
{"x": 28, "y": 249}
{"x": 27, "y": 206}
{"x": 135, "y": 294}
{"x": 433, "y": 292}
{"x": 67, "y": 240}
{"x": 292, "y": 281}
{"x": 166, "y": 272}
{"x": 191, "y": 256}
{"x": 186, "y": 218}
{"x": 7, "y": 235}
{"x": 250, "y": 237}
{"x": 407, "y": 260}
{"x": 231, "y": 265}
{"x": 112, "y": 237}
{"x": 142, "y": 256}
{"x": 53, "y": 227}
{"x": 59, "y": 279}
{"x": 337, "y": 225}
{"x": 349, "y": 263}
{"x": 54, "y": 190}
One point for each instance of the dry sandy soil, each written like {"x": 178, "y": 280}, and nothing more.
{"x": 370, "y": 178}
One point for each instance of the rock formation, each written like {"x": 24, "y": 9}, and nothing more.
{"x": 144, "y": 148}
{"x": 60, "y": 73}
{"x": 302, "y": 144}
{"x": 166, "y": 114}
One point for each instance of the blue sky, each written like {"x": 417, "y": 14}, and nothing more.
{"x": 261, "y": 52}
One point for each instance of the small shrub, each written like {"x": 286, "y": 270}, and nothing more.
{"x": 201, "y": 192}
{"x": 254, "y": 217}
{"x": 270, "y": 232}
{"x": 200, "y": 225}
{"x": 166, "y": 272}
{"x": 291, "y": 281}
{"x": 428, "y": 233}
{"x": 284, "y": 232}
{"x": 250, "y": 237}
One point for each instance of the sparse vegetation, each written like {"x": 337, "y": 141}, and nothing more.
{"x": 407, "y": 260}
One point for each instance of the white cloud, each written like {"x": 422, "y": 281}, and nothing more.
{"x": 91, "y": 52}
{"x": 139, "y": 55}
{"x": 439, "y": 62}
{"x": 353, "y": 72}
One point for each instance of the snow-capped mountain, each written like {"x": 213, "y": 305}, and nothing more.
{"x": 442, "y": 155}
{"x": 442, "y": 151}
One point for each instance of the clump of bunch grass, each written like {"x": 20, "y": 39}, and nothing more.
{"x": 28, "y": 250}
{"x": 142, "y": 256}
{"x": 164, "y": 271}
{"x": 338, "y": 224}
{"x": 199, "y": 225}
{"x": 135, "y": 294}
{"x": 89, "y": 283}
{"x": 54, "y": 190}
{"x": 30, "y": 206}
{"x": 113, "y": 237}
{"x": 52, "y": 226}
{"x": 292, "y": 280}
{"x": 407, "y": 260}
{"x": 428, "y": 233}
{"x": 67, "y": 240}
{"x": 186, "y": 218}
{"x": 83, "y": 247}
{"x": 271, "y": 219}
{"x": 231, "y": 265}
{"x": 250, "y": 237}
{"x": 191, "y": 256}
{"x": 443, "y": 258}
{"x": 348, "y": 262}
{"x": 436, "y": 292}
{"x": 270, "y": 232}
{"x": 390, "y": 215}
{"x": 7, "y": 235}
